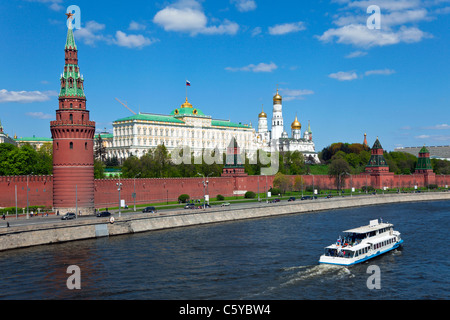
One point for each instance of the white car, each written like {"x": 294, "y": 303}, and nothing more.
{"x": 225, "y": 204}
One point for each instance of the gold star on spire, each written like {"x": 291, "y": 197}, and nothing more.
{"x": 69, "y": 15}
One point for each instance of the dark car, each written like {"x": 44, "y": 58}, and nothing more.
{"x": 103, "y": 214}
{"x": 306, "y": 198}
{"x": 69, "y": 216}
{"x": 329, "y": 196}
{"x": 291, "y": 199}
{"x": 149, "y": 209}
{"x": 190, "y": 206}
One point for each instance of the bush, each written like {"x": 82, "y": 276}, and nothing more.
{"x": 220, "y": 197}
{"x": 432, "y": 186}
{"x": 275, "y": 191}
{"x": 367, "y": 188}
{"x": 184, "y": 198}
{"x": 250, "y": 195}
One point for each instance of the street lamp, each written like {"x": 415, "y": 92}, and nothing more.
{"x": 205, "y": 185}
{"x": 134, "y": 193}
{"x": 119, "y": 185}
{"x": 28, "y": 189}
{"x": 340, "y": 185}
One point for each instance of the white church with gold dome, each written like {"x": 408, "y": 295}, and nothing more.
{"x": 278, "y": 139}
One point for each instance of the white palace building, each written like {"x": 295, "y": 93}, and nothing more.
{"x": 188, "y": 126}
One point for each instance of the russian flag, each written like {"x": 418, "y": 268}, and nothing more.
{"x": 188, "y": 83}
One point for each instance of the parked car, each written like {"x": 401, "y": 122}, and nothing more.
{"x": 329, "y": 196}
{"x": 103, "y": 214}
{"x": 309, "y": 197}
{"x": 225, "y": 204}
{"x": 190, "y": 206}
{"x": 150, "y": 210}
{"x": 291, "y": 199}
{"x": 69, "y": 216}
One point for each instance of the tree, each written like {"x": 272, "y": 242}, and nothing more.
{"x": 282, "y": 182}
{"x": 339, "y": 169}
{"x": 99, "y": 149}
{"x": 299, "y": 183}
{"x": 99, "y": 169}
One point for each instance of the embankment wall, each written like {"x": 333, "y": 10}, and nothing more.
{"x": 32, "y": 235}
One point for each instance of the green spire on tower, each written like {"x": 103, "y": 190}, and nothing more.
{"x": 70, "y": 42}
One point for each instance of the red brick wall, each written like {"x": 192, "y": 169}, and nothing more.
{"x": 40, "y": 193}
{"x": 159, "y": 190}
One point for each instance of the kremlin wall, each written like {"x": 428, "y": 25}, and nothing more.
{"x": 162, "y": 190}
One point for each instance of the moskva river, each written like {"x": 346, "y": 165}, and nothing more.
{"x": 264, "y": 259}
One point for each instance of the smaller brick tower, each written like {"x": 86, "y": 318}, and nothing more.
{"x": 378, "y": 167}
{"x": 73, "y": 140}
{"x": 424, "y": 167}
{"x": 234, "y": 166}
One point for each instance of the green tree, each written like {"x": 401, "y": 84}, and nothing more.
{"x": 282, "y": 182}
{"x": 339, "y": 170}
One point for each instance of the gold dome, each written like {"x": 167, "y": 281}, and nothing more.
{"x": 262, "y": 114}
{"x": 186, "y": 104}
{"x": 296, "y": 125}
{"x": 277, "y": 98}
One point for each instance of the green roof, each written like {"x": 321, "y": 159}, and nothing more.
{"x": 70, "y": 42}
{"x": 225, "y": 123}
{"x": 105, "y": 135}
{"x": 40, "y": 139}
{"x": 188, "y": 112}
{"x": 151, "y": 117}
{"x": 424, "y": 150}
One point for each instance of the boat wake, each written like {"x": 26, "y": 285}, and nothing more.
{"x": 321, "y": 272}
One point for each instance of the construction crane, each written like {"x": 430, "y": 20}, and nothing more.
{"x": 125, "y": 106}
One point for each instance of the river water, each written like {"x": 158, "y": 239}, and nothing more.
{"x": 263, "y": 259}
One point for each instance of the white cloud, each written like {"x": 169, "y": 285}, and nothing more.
{"x": 39, "y": 115}
{"x": 256, "y": 31}
{"x": 262, "y": 67}
{"x": 361, "y": 36}
{"x": 437, "y": 138}
{"x": 53, "y": 4}
{"x": 25, "y": 96}
{"x": 188, "y": 16}
{"x": 379, "y": 72}
{"x": 356, "y": 54}
{"x": 296, "y": 94}
{"x": 439, "y": 127}
{"x": 399, "y": 21}
{"x": 132, "y": 40}
{"x": 136, "y": 26}
{"x": 281, "y": 29}
{"x": 244, "y": 5}
{"x": 89, "y": 33}
{"x": 344, "y": 75}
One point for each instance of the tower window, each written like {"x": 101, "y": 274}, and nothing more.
{"x": 85, "y": 145}
{"x": 71, "y": 117}
{"x": 71, "y": 145}
{"x": 71, "y": 106}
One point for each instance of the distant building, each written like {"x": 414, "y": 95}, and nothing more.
{"x": 437, "y": 152}
{"x": 5, "y": 138}
{"x": 35, "y": 142}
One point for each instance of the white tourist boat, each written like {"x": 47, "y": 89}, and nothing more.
{"x": 361, "y": 244}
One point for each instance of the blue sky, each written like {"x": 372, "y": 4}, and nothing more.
{"x": 331, "y": 69}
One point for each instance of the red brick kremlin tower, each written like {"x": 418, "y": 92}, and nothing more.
{"x": 73, "y": 140}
